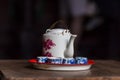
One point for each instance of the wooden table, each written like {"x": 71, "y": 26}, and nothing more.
{"x": 21, "y": 70}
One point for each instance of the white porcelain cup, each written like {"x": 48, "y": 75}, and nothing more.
{"x": 55, "y": 42}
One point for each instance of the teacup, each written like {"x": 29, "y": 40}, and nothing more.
{"x": 81, "y": 60}
{"x": 41, "y": 59}
{"x": 54, "y": 60}
{"x": 68, "y": 61}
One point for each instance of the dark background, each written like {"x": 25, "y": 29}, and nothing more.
{"x": 22, "y": 23}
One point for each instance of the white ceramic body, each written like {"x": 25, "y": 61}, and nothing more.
{"x": 59, "y": 39}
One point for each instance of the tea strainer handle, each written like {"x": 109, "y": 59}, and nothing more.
{"x": 59, "y": 21}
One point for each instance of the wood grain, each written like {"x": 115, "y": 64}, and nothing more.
{"x": 22, "y": 70}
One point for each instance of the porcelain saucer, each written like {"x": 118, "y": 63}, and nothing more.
{"x": 66, "y": 67}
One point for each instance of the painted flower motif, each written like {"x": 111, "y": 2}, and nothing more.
{"x": 48, "y": 54}
{"x": 48, "y": 44}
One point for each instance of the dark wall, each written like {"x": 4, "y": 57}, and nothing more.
{"x": 22, "y": 23}
{"x": 105, "y": 40}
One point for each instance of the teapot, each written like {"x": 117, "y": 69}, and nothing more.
{"x": 58, "y": 42}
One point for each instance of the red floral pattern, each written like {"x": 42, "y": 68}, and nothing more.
{"x": 48, "y": 54}
{"x": 48, "y": 44}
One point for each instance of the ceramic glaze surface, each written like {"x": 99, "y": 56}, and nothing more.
{"x": 56, "y": 42}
